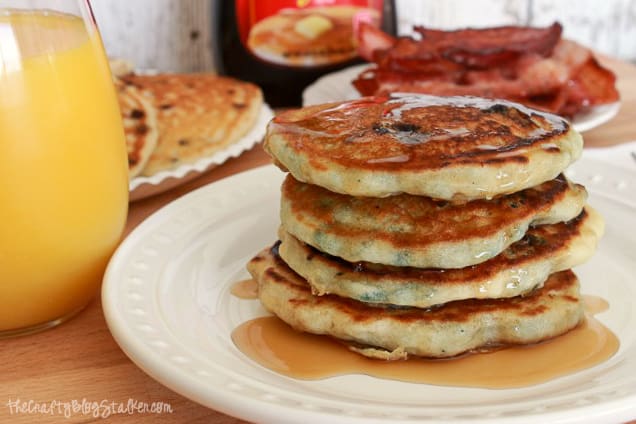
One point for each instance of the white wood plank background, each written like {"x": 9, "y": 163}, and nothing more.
{"x": 165, "y": 35}
{"x": 609, "y": 26}
{"x": 176, "y": 35}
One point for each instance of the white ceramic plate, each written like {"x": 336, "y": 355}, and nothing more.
{"x": 337, "y": 86}
{"x": 141, "y": 186}
{"x": 167, "y": 301}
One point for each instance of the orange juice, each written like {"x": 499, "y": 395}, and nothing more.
{"x": 63, "y": 167}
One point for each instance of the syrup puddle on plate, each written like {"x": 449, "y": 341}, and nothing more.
{"x": 276, "y": 346}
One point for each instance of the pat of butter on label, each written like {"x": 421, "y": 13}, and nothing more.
{"x": 313, "y": 26}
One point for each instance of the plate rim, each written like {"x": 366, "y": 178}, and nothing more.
{"x": 228, "y": 402}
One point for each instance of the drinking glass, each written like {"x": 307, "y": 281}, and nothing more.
{"x": 63, "y": 163}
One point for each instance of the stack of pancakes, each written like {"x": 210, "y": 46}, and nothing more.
{"x": 175, "y": 119}
{"x": 426, "y": 226}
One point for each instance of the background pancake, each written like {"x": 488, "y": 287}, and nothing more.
{"x": 140, "y": 125}
{"x": 198, "y": 114}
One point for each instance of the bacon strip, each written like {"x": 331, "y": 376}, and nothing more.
{"x": 370, "y": 39}
{"x": 482, "y": 48}
{"x": 533, "y": 66}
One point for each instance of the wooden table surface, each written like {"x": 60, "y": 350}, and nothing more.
{"x": 79, "y": 361}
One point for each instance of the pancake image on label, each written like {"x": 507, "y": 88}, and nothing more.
{"x": 452, "y": 148}
{"x": 519, "y": 269}
{"x": 140, "y": 126}
{"x": 197, "y": 114}
{"x": 416, "y": 231}
{"x": 440, "y": 332}
{"x": 309, "y": 36}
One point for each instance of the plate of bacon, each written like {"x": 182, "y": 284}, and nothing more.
{"x": 532, "y": 66}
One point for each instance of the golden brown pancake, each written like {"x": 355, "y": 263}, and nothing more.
{"x": 522, "y": 267}
{"x": 445, "y": 331}
{"x": 140, "y": 125}
{"x": 453, "y": 148}
{"x": 198, "y": 115}
{"x": 407, "y": 230}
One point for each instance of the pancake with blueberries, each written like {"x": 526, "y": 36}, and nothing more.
{"x": 391, "y": 332}
{"x": 453, "y": 148}
{"x": 139, "y": 118}
{"x": 198, "y": 115}
{"x": 522, "y": 267}
{"x": 417, "y": 231}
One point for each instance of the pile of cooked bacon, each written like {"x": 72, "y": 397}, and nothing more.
{"x": 532, "y": 66}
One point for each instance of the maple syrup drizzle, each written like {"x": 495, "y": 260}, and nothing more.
{"x": 273, "y": 344}
{"x": 245, "y": 289}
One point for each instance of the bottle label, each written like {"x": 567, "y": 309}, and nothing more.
{"x": 304, "y": 33}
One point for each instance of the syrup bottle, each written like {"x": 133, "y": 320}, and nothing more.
{"x": 285, "y": 45}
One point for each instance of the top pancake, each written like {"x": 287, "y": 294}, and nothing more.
{"x": 451, "y": 148}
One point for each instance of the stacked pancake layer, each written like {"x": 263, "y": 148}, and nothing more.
{"x": 418, "y": 225}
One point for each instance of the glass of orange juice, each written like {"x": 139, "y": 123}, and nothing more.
{"x": 63, "y": 164}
